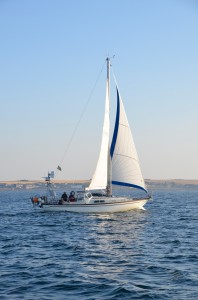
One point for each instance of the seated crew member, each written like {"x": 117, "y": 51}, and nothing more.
{"x": 72, "y": 196}
{"x": 64, "y": 197}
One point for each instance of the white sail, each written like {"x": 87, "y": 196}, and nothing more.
{"x": 100, "y": 178}
{"x": 125, "y": 163}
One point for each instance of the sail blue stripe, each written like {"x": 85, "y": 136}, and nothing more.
{"x": 115, "y": 133}
{"x": 129, "y": 185}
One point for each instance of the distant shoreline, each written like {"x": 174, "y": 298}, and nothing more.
{"x": 173, "y": 181}
{"x": 83, "y": 181}
{"x": 10, "y": 182}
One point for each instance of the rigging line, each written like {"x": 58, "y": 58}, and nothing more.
{"x": 81, "y": 116}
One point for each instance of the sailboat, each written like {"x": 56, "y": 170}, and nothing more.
{"x": 118, "y": 164}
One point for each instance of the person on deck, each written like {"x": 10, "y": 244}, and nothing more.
{"x": 64, "y": 197}
{"x": 72, "y": 197}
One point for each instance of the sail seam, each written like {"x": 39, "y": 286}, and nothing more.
{"x": 126, "y": 156}
{"x": 127, "y": 126}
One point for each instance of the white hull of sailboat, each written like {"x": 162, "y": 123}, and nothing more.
{"x": 111, "y": 207}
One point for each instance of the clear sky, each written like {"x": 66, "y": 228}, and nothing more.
{"x": 51, "y": 53}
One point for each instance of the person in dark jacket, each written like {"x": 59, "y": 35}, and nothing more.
{"x": 72, "y": 196}
{"x": 64, "y": 197}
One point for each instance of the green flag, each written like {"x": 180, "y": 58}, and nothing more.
{"x": 59, "y": 168}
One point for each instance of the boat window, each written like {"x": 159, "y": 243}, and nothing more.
{"x": 88, "y": 195}
{"x": 99, "y": 201}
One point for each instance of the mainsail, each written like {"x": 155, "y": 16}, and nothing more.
{"x": 100, "y": 178}
{"x": 125, "y": 163}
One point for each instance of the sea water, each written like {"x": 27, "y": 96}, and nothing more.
{"x": 151, "y": 254}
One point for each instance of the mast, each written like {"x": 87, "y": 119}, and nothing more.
{"x": 102, "y": 176}
{"x": 109, "y": 165}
